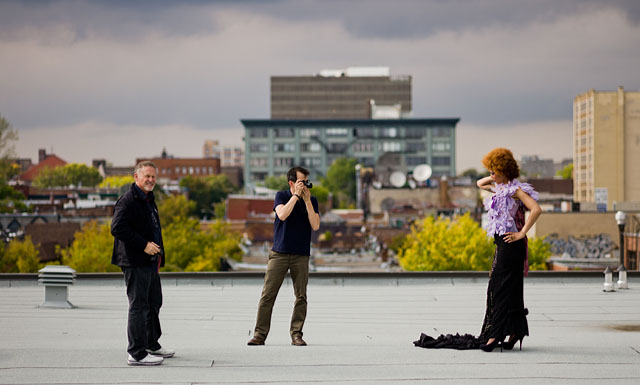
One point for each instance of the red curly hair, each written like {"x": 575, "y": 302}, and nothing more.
{"x": 501, "y": 161}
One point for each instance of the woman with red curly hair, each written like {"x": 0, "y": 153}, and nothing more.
{"x": 505, "y": 313}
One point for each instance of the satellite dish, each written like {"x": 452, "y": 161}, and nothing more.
{"x": 412, "y": 184}
{"x": 422, "y": 172}
{"x": 397, "y": 179}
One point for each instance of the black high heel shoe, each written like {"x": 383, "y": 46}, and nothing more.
{"x": 489, "y": 347}
{"x": 512, "y": 342}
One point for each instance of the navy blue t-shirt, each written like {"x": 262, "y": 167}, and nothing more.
{"x": 293, "y": 235}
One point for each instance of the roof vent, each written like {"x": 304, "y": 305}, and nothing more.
{"x": 56, "y": 280}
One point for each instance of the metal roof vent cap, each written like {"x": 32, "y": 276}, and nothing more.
{"x": 56, "y": 280}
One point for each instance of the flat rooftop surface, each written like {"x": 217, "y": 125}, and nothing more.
{"x": 359, "y": 331}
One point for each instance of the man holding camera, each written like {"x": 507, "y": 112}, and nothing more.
{"x": 296, "y": 216}
{"x": 138, "y": 250}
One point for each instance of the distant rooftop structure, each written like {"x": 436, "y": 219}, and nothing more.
{"x": 356, "y": 72}
{"x": 341, "y": 94}
{"x": 44, "y": 161}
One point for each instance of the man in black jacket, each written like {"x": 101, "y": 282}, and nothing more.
{"x": 138, "y": 250}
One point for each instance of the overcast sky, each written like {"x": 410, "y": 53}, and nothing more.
{"x": 123, "y": 79}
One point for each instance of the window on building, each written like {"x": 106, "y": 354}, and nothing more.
{"x": 390, "y": 147}
{"x": 389, "y": 132}
{"x": 197, "y": 169}
{"x": 362, "y": 147}
{"x": 258, "y": 132}
{"x": 308, "y": 132}
{"x": 310, "y": 147}
{"x": 282, "y": 162}
{"x": 364, "y": 132}
{"x": 337, "y": 131}
{"x": 415, "y": 160}
{"x": 312, "y": 162}
{"x": 190, "y": 170}
{"x": 258, "y": 147}
{"x": 443, "y": 132}
{"x": 414, "y": 132}
{"x": 177, "y": 170}
{"x": 337, "y": 147}
{"x": 184, "y": 171}
{"x": 284, "y": 132}
{"x": 416, "y": 146}
{"x": 440, "y": 146}
{"x": 284, "y": 147}
{"x": 440, "y": 161}
{"x": 258, "y": 162}
{"x": 210, "y": 170}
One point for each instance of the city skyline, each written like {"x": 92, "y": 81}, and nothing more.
{"x": 120, "y": 81}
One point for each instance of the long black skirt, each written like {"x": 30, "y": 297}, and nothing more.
{"x": 505, "y": 314}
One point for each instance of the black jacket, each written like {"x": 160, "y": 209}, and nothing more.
{"x": 132, "y": 228}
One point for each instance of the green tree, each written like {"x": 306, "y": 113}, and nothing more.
{"x": 189, "y": 247}
{"x": 539, "y": 253}
{"x": 10, "y": 199}
{"x": 116, "y": 181}
{"x": 20, "y": 256}
{"x": 174, "y": 208}
{"x": 341, "y": 181}
{"x": 276, "y": 182}
{"x": 91, "y": 249}
{"x": 320, "y": 192}
{"x": 220, "y": 209}
{"x": 219, "y": 242}
{"x": 207, "y": 191}
{"x": 50, "y": 177}
{"x": 8, "y": 137}
{"x": 566, "y": 172}
{"x": 82, "y": 175}
{"x": 444, "y": 244}
{"x": 76, "y": 174}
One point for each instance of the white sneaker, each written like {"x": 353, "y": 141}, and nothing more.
{"x": 162, "y": 352}
{"x": 149, "y": 360}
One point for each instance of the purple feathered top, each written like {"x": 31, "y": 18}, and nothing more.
{"x": 502, "y": 208}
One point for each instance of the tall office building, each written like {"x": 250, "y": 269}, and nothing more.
{"x": 606, "y": 148}
{"x": 358, "y": 112}
{"x": 340, "y": 94}
{"x": 275, "y": 145}
{"x": 229, "y": 156}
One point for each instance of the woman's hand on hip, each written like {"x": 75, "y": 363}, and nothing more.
{"x": 513, "y": 237}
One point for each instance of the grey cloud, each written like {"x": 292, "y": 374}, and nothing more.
{"x": 383, "y": 19}
{"x": 108, "y": 20}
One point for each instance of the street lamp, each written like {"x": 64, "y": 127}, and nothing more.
{"x": 620, "y": 217}
{"x": 358, "y": 187}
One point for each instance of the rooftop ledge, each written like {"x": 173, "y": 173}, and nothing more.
{"x": 335, "y": 278}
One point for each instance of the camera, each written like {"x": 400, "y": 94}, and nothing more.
{"x": 307, "y": 184}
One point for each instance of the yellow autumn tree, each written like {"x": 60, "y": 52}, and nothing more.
{"x": 91, "y": 249}
{"x": 444, "y": 244}
{"x": 20, "y": 256}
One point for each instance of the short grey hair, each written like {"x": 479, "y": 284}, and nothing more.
{"x": 144, "y": 163}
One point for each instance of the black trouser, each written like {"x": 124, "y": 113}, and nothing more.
{"x": 145, "y": 299}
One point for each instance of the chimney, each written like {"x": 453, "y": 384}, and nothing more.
{"x": 42, "y": 155}
{"x": 444, "y": 192}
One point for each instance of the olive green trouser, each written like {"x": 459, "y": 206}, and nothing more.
{"x": 276, "y": 270}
